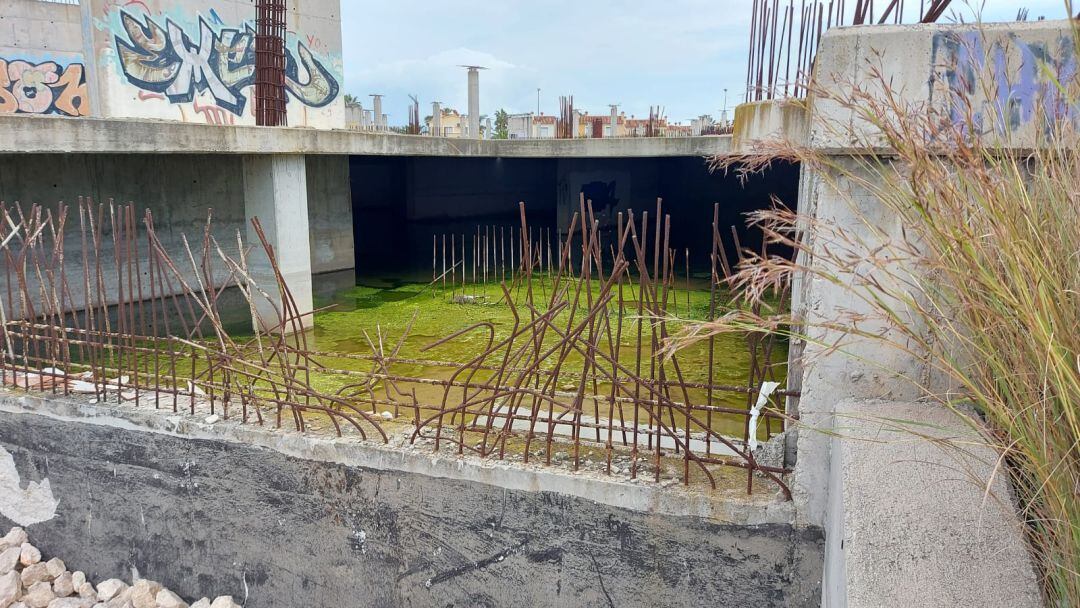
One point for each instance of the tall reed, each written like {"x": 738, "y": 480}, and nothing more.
{"x": 982, "y": 283}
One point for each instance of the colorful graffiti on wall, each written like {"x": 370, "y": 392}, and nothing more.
{"x": 166, "y": 60}
{"x": 42, "y": 87}
{"x": 1024, "y": 80}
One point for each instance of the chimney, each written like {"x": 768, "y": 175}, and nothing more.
{"x": 614, "y": 120}
{"x": 436, "y": 119}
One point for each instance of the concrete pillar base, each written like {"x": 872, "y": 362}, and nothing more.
{"x": 275, "y": 192}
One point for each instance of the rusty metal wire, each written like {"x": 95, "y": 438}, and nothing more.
{"x": 114, "y": 310}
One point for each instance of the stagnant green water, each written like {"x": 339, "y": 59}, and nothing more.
{"x": 374, "y": 316}
{"x": 384, "y": 308}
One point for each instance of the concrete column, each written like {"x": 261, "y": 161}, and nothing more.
{"x": 474, "y": 103}
{"x": 436, "y": 119}
{"x": 614, "y": 120}
{"x": 380, "y": 123}
{"x": 275, "y": 191}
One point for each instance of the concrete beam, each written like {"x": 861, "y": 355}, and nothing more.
{"x": 26, "y": 134}
{"x": 937, "y": 65}
{"x": 275, "y": 192}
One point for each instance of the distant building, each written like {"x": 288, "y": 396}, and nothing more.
{"x": 456, "y": 125}
{"x": 531, "y": 126}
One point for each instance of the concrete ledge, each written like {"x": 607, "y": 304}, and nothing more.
{"x": 911, "y": 523}
{"x": 281, "y": 520}
{"x": 39, "y": 134}
{"x": 644, "y": 497}
{"x": 783, "y": 120}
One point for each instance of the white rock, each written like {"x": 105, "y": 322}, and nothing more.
{"x": 211, "y": 419}
{"x": 8, "y": 558}
{"x": 86, "y": 590}
{"x": 107, "y": 590}
{"x": 71, "y": 602}
{"x": 168, "y": 599}
{"x": 10, "y": 588}
{"x": 122, "y": 599}
{"x": 387, "y": 416}
{"x": 203, "y": 603}
{"x": 224, "y": 601}
{"x": 29, "y": 554}
{"x": 77, "y": 579}
{"x": 56, "y": 567}
{"x": 39, "y": 595}
{"x": 35, "y": 573}
{"x": 14, "y": 538}
{"x": 63, "y": 585}
{"x": 143, "y": 593}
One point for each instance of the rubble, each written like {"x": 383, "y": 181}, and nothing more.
{"x": 28, "y": 582}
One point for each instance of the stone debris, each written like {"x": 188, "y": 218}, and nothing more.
{"x": 29, "y": 555}
{"x": 771, "y": 453}
{"x": 28, "y": 582}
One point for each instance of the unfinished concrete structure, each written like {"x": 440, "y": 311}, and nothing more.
{"x": 283, "y": 519}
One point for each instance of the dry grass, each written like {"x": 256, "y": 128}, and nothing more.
{"x": 983, "y": 285}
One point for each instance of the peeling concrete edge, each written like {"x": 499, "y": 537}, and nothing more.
{"x": 650, "y": 499}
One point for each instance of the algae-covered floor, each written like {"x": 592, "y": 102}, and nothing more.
{"x": 383, "y": 309}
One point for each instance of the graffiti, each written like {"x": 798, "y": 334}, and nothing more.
{"x": 28, "y": 87}
{"x": 1015, "y": 92}
{"x": 166, "y": 60}
{"x": 214, "y": 115}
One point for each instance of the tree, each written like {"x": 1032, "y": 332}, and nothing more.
{"x": 502, "y": 125}
{"x": 350, "y": 100}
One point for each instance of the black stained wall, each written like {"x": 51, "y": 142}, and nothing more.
{"x": 400, "y": 203}
{"x": 208, "y": 516}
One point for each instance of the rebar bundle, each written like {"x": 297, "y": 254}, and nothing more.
{"x": 779, "y": 63}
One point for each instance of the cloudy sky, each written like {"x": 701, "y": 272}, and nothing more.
{"x": 680, "y": 54}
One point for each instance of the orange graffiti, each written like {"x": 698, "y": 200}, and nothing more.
{"x": 72, "y": 87}
{"x": 42, "y": 88}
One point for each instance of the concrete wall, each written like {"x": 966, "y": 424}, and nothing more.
{"x": 908, "y": 521}
{"x": 439, "y": 189}
{"x": 329, "y": 197}
{"x": 179, "y": 192}
{"x": 1021, "y": 65}
{"x": 148, "y": 64}
{"x": 300, "y": 523}
{"x": 42, "y": 69}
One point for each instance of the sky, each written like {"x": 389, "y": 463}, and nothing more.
{"x": 678, "y": 54}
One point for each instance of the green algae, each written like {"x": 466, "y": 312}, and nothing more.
{"x": 383, "y": 312}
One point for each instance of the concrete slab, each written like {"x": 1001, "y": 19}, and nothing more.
{"x": 35, "y": 134}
